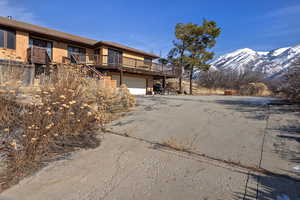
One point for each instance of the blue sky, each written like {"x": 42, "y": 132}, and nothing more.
{"x": 149, "y": 25}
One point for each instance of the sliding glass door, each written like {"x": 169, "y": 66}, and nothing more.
{"x": 114, "y": 57}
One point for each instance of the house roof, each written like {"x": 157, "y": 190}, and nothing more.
{"x": 120, "y": 46}
{"x": 18, "y": 25}
{"x": 44, "y": 31}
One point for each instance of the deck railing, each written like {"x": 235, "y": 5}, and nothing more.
{"x": 124, "y": 62}
{"x": 87, "y": 59}
{"x": 38, "y": 55}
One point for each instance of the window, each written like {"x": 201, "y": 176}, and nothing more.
{"x": 77, "y": 53}
{"x": 7, "y": 39}
{"x": 11, "y": 40}
{"x": 97, "y": 52}
{"x": 114, "y": 57}
{"x": 75, "y": 50}
{"x": 147, "y": 61}
{"x": 35, "y": 42}
{"x": 1, "y": 38}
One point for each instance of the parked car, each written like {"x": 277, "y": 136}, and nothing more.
{"x": 157, "y": 88}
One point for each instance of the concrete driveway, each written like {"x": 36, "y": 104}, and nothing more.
{"x": 226, "y": 142}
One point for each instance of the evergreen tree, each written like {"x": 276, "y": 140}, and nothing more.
{"x": 163, "y": 61}
{"x": 177, "y": 55}
{"x": 191, "y": 47}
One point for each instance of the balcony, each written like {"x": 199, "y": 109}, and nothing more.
{"x": 38, "y": 55}
{"x": 124, "y": 63}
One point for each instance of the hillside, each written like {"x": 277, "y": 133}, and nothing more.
{"x": 273, "y": 63}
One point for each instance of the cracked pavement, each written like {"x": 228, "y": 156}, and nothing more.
{"x": 221, "y": 127}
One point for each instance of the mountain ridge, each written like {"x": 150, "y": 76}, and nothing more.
{"x": 272, "y": 63}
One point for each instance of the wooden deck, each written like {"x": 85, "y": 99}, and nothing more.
{"x": 125, "y": 64}
{"x": 38, "y": 55}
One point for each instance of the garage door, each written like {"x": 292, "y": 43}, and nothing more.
{"x": 136, "y": 86}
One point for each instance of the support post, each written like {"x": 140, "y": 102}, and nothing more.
{"x": 121, "y": 76}
{"x": 164, "y": 84}
{"x": 147, "y": 85}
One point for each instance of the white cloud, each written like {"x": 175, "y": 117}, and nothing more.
{"x": 17, "y": 12}
{"x": 286, "y": 11}
{"x": 281, "y": 22}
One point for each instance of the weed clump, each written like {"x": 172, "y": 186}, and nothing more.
{"x": 255, "y": 89}
{"x": 58, "y": 117}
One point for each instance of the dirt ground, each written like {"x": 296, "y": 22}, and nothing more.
{"x": 227, "y": 139}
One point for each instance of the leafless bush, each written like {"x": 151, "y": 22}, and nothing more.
{"x": 53, "y": 119}
{"x": 255, "y": 89}
{"x": 228, "y": 79}
{"x": 274, "y": 86}
{"x": 290, "y": 85}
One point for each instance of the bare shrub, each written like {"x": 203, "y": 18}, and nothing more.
{"x": 173, "y": 87}
{"x": 290, "y": 85}
{"x": 275, "y": 85}
{"x": 228, "y": 79}
{"x": 174, "y": 144}
{"x": 10, "y": 73}
{"x": 255, "y": 89}
{"x": 56, "y": 118}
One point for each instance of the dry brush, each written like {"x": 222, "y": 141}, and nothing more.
{"x": 42, "y": 123}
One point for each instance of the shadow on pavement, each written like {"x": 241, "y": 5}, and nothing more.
{"x": 253, "y": 109}
{"x": 289, "y": 146}
{"x": 269, "y": 188}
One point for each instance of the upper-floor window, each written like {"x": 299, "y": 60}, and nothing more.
{"x": 75, "y": 50}
{"x": 76, "y": 53}
{"x": 7, "y": 39}
{"x": 97, "y": 51}
{"x": 147, "y": 61}
{"x": 114, "y": 57}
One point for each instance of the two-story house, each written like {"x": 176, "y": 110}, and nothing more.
{"x": 27, "y": 43}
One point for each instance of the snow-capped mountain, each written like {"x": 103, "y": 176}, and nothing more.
{"x": 272, "y": 63}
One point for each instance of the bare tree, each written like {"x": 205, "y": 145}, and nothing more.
{"x": 228, "y": 79}
{"x": 290, "y": 86}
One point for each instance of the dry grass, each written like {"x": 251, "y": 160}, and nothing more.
{"x": 251, "y": 89}
{"x": 182, "y": 145}
{"x": 255, "y": 89}
{"x": 172, "y": 86}
{"x": 42, "y": 123}
{"x": 206, "y": 91}
{"x": 173, "y": 143}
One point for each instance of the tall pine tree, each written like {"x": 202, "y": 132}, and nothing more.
{"x": 191, "y": 47}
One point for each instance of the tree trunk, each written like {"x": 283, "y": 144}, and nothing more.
{"x": 191, "y": 80}
{"x": 181, "y": 71}
{"x": 164, "y": 84}
{"x": 180, "y": 84}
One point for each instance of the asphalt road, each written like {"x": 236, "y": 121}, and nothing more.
{"x": 182, "y": 147}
